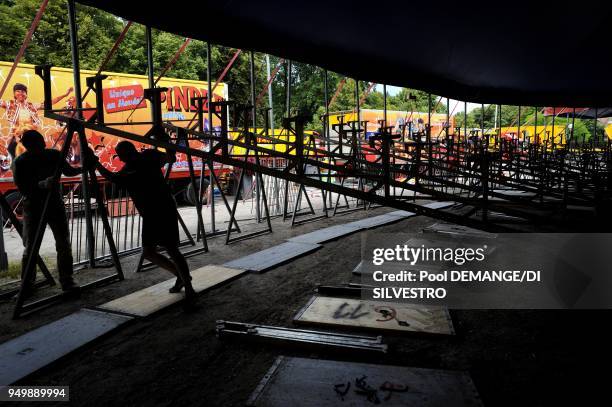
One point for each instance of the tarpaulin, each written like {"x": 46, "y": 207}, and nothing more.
{"x": 515, "y": 52}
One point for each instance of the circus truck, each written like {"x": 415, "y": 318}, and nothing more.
{"x": 21, "y": 109}
{"x": 408, "y": 123}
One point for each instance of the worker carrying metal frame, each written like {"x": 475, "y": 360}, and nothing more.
{"x": 142, "y": 177}
{"x": 33, "y": 172}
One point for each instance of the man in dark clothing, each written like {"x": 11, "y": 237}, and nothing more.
{"x": 142, "y": 177}
{"x": 33, "y": 173}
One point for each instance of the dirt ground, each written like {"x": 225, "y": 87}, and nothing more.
{"x": 516, "y": 358}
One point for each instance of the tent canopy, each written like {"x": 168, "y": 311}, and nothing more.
{"x": 518, "y": 52}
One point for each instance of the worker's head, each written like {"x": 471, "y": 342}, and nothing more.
{"x": 33, "y": 141}
{"x": 126, "y": 151}
{"x": 20, "y": 92}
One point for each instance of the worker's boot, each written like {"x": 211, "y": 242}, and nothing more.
{"x": 178, "y": 286}
{"x": 70, "y": 288}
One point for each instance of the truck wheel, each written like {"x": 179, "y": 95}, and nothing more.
{"x": 192, "y": 193}
{"x": 14, "y": 200}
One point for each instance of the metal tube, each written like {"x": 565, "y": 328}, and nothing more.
{"x": 429, "y": 146}
{"x": 288, "y": 89}
{"x": 573, "y": 124}
{"x": 595, "y": 126}
{"x": 275, "y": 191}
{"x": 465, "y": 112}
{"x": 385, "y": 104}
{"x": 76, "y": 71}
{"x": 326, "y": 125}
{"x": 149, "y": 45}
{"x": 254, "y": 119}
{"x": 211, "y": 131}
{"x": 535, "y": 129}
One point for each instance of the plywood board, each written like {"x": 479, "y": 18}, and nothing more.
{"x": 312, "y": 382}
{"x": 376, "y": 221}
{"x": 156, "y": 297}
{"x": 379, "y": 315}
{"x": 439, "y": 205}
{"x": 459, "y": 230}
{"x": 401, "y": 214}
{"x": 431, "y": 205}
{"x": 326, "y": 234}
{"x": 27, "y": 353}
{"x": 273, "y": 256}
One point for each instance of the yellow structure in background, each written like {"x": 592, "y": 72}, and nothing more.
{"x": 544, "y": 133}
{"x": 395, "y": 118}
{"x": 282, "y": 135}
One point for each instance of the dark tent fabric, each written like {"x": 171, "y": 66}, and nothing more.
{"x": 582, "y": 112}
{"x": 600, "y": 113}
{"x": 514, "y": 52}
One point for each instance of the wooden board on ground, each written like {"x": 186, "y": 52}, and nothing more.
{"x": 457, "y": 230}
{"x": 326, "y": 234}
{"x": 378, "y": 315}
{"x": 156, "y": 297}
{"x": 34, "y": 350}
{"x": 273, "y": 256}
{"x": 314, "y": 382}
{"x": 439, "y": 205}
{"x": 376, "y": 221}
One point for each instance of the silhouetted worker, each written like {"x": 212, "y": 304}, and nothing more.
{"x": 33, "y": 173}
{"x": 142, "y": 177}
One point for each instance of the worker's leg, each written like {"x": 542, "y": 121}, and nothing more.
{"x": 151, "y": 254}
{"x": 59, "y": 226}
{"x": 30, "y": 225}
{"x": 182, "y": 268}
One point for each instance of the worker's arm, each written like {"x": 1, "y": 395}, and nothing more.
{"x": 109, "y": 175}
{"x": 160, "y": 158}
{"x": 119, "y": 178}
{"x": 70, "y": 171}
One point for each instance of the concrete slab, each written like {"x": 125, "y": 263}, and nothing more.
{"x": 313, "y": 382}
{"x": 326, "y": 234}
{"x": 155, "y": 298}
{"x": 273, "y": 256}
{"x": 27, "y": 353}
{"x": 377, "y": 315}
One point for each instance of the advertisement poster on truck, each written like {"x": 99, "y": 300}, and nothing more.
{"x": 21, "y": 109}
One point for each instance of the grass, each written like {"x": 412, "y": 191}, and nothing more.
{"x": 14, "y": 268}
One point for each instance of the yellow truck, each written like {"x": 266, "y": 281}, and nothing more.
{"x": 21, "y": 108}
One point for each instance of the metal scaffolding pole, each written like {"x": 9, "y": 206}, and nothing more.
{"x": 150, "y": 66}
{"x": 326, "y": 133}
{"x": 254, "y": 123}
{"x": 275, "y": 192}
{"x": 76, "y": 71}
{"x": 211, "y": 165}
